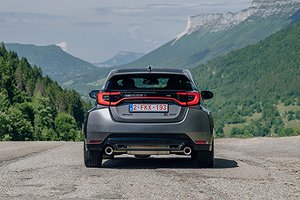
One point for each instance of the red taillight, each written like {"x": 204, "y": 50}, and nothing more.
{"x": 182, "y": 98}
{"x": 189, "y": 98}
{"x": 106, "y": 98}
{"x": 200, "y": 141}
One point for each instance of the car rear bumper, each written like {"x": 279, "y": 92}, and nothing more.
{"x": 148, "y": 142}
{"x": 195, "y": 126}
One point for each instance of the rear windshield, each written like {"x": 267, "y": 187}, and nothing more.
{"x": 149, "y": 82}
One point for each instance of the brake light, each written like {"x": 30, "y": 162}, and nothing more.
{"x": 182, "y": 98}
{"x": 189, "y": 98}
{"x": 108, "y": 98}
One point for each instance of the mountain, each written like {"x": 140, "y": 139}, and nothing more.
{"x": 53, "y": 61}
{"x": 69, "y": 71}
{"x": 256, "y": 88}
{"x": 210, "y": 35}
{"x": 34, "y": 107}
{"x": 121, "y": 58}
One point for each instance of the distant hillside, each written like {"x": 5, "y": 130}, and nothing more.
{"x": 32, "y": 106}
{"x": 69, "y": 71}
{"x": 210, "y": 35}
{"x": 121, "y": 58}
{"x": 257, "y": 89}
{"x": 53, "y": 61}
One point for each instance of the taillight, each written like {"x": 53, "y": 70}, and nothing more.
{"x": 182, "y": 98}
{"x": 188, "y": 98}
{"x": 108, "y": 98}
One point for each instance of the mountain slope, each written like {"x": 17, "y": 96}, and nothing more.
{"x": 33, "y": 107}
{"x": 257, "y": 88}
{"x": 210, "y": 35}
{"x": 54, "y": 62}
{"x": 121, "y": 58}
{"x": 69, "y": 71}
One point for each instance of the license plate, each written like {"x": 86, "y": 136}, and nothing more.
{"x": 148, "y": 108}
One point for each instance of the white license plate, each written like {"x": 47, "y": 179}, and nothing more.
{"x": 148, "y": 108}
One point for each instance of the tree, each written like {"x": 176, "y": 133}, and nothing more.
{"x": 21, "y": 129}
{"x": 5, "y": 128}
{"x": 4, "y": 103}
{"x": 29, "y": 103}
{"x": 44, "y": 115}
{"x": 66, "y": 127}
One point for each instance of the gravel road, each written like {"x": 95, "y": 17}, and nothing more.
{"x": 259, "y": 168}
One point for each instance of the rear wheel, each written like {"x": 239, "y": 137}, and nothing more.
{"x": 92, "y": 158}
{"x": 204, "y": 158}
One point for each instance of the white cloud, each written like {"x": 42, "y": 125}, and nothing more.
{"x": 63, "y": 45}
{"x": 97, "y": 30}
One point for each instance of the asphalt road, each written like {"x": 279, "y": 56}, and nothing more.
{"x": 259, "y": 168}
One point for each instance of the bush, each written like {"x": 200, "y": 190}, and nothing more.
{"x": 66, "y": 127}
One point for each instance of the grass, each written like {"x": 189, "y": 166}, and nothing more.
{"x": 282, "y": 108}
{"x": 253, "y": 117}
{"x": 228, "y": 127}
{"x": 294, "y": 124}
{"x": 97, "y": 83}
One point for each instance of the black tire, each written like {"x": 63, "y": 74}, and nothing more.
{"x": 92, "y": 158}
{"x": 204, "y": 159}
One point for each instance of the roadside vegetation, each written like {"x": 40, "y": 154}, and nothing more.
{"x": 33, "y": 107}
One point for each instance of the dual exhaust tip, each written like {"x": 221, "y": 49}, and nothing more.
{"x": 109, "y": 150}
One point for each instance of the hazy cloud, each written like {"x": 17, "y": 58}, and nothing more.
{"x": 94, "y": 24}
{"x": 29, "y": 15}
{"x": 119, "y": 10}
{"x": 162, "y": 5}
{"x": 63, "y": 45}
{"x": 133, "y": 32}
{"x": 96, "y": 30}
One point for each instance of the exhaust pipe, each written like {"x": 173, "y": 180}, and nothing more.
{"x": 187, "y": 151}
{"x": 109, "y": 150}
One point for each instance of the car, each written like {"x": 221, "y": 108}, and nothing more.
{"x": 149, "y": 111}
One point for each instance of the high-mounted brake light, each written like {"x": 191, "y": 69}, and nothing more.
{"x": 181, "y": 98}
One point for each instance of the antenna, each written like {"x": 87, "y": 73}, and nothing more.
{"x": 150, "y": 68}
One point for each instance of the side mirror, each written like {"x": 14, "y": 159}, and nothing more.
{"x": 93, "y": 94}
{"x": 207, "y": 95}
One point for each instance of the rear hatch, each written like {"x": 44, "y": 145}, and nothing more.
{"x": 155, "y": 98}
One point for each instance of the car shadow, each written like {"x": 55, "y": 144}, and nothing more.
{"x": 156, "y": 163}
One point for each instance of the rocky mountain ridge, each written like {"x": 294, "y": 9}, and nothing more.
{"x": 215, "y": 22}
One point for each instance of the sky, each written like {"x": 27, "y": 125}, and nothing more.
{"x": 96, "y": 30}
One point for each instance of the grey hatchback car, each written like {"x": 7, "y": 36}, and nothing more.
{"x": 149, "y": 111}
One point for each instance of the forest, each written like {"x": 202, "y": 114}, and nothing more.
{"x": 34, "y": 107}
{"x": 257, "y": 89}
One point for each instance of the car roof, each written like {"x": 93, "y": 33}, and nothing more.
{"x": 143, "y": 70}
